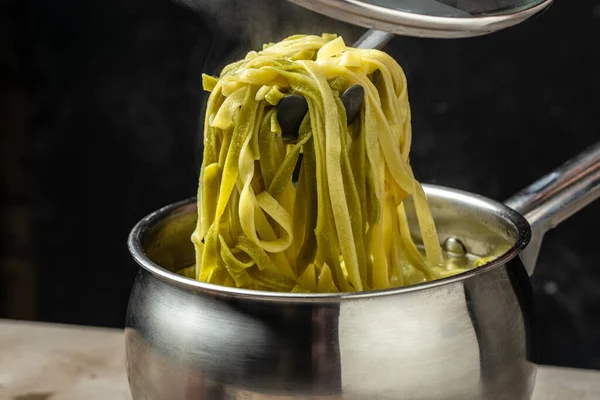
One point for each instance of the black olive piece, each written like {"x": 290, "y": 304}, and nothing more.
{"x": 290, "y": 113}
{"x": 353, "y": 98}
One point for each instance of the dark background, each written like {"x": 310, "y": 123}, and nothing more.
{"x": 100, "y": 103}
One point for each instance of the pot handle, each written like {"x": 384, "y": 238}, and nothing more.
{"x": 555, "y": 197}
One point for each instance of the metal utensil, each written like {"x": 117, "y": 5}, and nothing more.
{"x": 421, "y": 18}
{"x": 464, "y": 337}
{"x": 430, "y": 18}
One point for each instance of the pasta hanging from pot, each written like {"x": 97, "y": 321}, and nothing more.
{"x": 343, "y": 226}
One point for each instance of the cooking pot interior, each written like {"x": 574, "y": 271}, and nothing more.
{"x": 485, "y": 227}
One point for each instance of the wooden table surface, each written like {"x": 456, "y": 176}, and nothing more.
{"x": 61, "y": 362}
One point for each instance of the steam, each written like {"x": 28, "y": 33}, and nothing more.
{"x": 243, "y": 25}
{"x": 239, "y": 26}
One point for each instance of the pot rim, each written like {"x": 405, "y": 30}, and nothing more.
{"x": 485, "y": 204}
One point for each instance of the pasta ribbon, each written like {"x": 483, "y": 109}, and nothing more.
{"x": 343, "y": 226}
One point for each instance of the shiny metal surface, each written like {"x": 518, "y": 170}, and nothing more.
{"x": 428, "y": 18}
{"x": 464, "y": 337}
{"x": 373, "y": 39}
{"x": 555, "y": 197}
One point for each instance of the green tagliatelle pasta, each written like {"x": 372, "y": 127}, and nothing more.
{"x": 343, "y": 226}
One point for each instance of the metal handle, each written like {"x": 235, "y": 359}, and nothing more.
{"x": 555, "y": 197}
{"x": 373, "y": 39}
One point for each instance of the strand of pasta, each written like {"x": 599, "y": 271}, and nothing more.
{"x": 344, "y": 227}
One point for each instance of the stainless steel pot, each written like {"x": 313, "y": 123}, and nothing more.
{"x": 470, "y": 336}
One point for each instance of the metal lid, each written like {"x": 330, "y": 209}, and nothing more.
{"x": 430, "y": 18}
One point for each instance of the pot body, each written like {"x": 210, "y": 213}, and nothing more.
{"x": 466, "y": 337}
